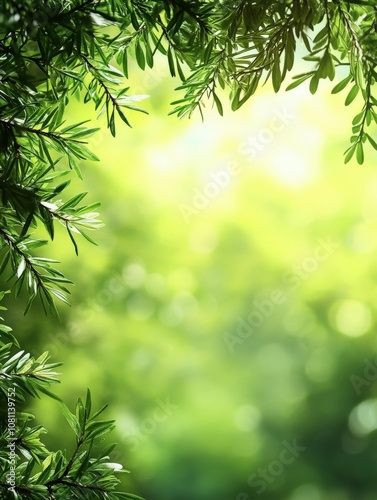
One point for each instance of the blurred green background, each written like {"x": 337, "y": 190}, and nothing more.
{"x": 227, "y": 314}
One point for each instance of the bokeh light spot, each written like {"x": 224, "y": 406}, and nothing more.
{"x": 363, "y": 418}
{"x": 307, "y": 492}
{"x": 247, "y": 417}
{"x": 292, "y": 168}
{"x": 352, "y": 318}
{"x": 134, "y": 275}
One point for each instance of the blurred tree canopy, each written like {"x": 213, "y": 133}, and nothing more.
{"x": 52, "y": 51}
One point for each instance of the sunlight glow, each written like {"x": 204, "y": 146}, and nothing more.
{"x": 353, "y": 318}
{"x": 292, "y": 168}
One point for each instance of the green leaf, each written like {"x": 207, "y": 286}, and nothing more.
{"x": 360, "y": 153}
{"x": 326, "y": 67}
{"x": 276, "y": 75}
{"x": 171, "y": 61}
{"x": 125, "y": 63}
{"x": 101, "y": 410}
{"x": 60, "y": 295}
{"x": 88, "y": 238}
{"x": 72, "y": 202}
{"x": 21, "y": 267}
{"x": 349, "y": 153}
{"x": 341, "y": 85}
{"x": 80, "y": 413}
{"x": 219, "y": 106}
{"x": 351, "y": 95}
{"x": 99, "y": 428}
{"x": 4, "y": 262}
{"x": 112, "y": 123}
{"x": 298, "y": 81}
{"x": 140, "y": 58}
{"x": 372, "y": 141}
{"x": 129, "y": 496}
{"x": 71, "y": 419}
{"x": 313, "y": 86}
{"x": 49, "y": 393}
{"x": 148, "y": 55}
{"x": 29, "y": 303}
{"x": 72, "y": 239}
{"x": 88, "y": 403}
{"x": 358, "y": 118}
{"x": 235, "y": 103}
